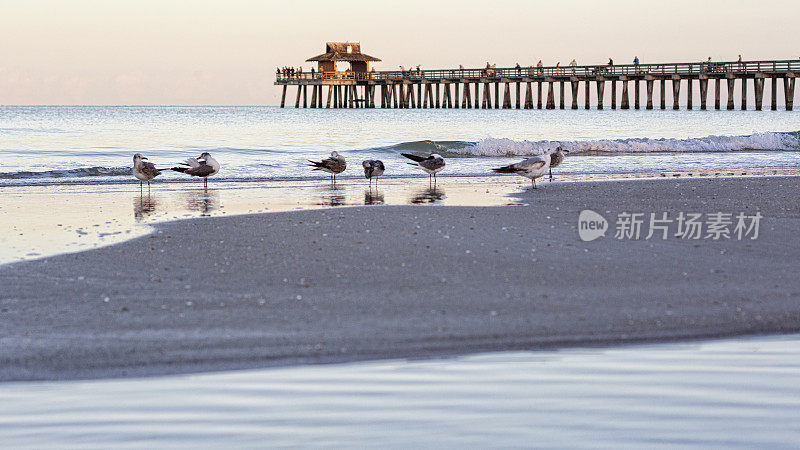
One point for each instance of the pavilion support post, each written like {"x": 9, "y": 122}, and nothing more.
{"x": 539, "y": 95}
{"x": 561, "y": 94}
{"x": 425, "y": 96}
{"x": 477, "y": 95}
{"x": 335, "y": 96}
{"x": 320, "y": 94}
{"x": 372, "y": 96}
{"x": 419, "y": 95}
{"x": 346, "y": 97}
{"x": 625, "y": 100}
{"x": 758, "y": 83}
{"x": 613, "y": 94}
{"x": 314, "y": 97}
{"x": 717, "y": 84}
{"x": 744, "y": 94}
{"x": 586, "y": 93}
{"x": 676, "y": 91}
{"x": 649, "y": 87}
{"x": 601, "y": 87}
{"x": 574, "y": 84}
{"x": 412, "y": 99}
{"x": 456, "y": 88}
{"x": 788, "y": 92}
{"x": 328, "y": 101}
{"x": 484, "y": 102}
{"x": 305, "y": 96}
{"x": 774, "y": 93}
{"x": 517, "y": 99}
{"x": 507, "y": 97}
{"x": 731, "y": 85}
{"x": 663, "y": 93}
{"x": 283, "y": 96}
{"x": 551, "y": 102}
{"x": 497, "y": 95}
{"x": 636, "y": 94}
{"x": 689, "y": 95}
{"x": 438, "y": 97}
{"x": 528, "y": 95}
{"x": 465, "y": 100}
{"x": 703, "y": 93}
{"x": 297, "y": 100}
{"x": 351, "y": 97}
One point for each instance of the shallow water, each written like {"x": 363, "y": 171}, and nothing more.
{"x": 44, "y": 145}
{"x": 729, "y": 393}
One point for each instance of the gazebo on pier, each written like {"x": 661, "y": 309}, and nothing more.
{"x": 343, "y": 51}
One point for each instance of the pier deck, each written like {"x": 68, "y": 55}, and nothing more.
{"x": 481, "y": 88}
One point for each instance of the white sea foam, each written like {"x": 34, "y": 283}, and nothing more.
{"x": 759, "y": 141}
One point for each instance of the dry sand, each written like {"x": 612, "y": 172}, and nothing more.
{"x": 403, "y": 281}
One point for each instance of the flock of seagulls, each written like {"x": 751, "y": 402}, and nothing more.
{"x": 205, "y": 166}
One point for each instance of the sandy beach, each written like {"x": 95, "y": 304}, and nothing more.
{"x": 373, "y": 282}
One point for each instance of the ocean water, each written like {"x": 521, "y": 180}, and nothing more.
{"x": 85, "y": 145}
{"x": 741, "y": 393}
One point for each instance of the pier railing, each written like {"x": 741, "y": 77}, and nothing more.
{"x": 735, "y": 68}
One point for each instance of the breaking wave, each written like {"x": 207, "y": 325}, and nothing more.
{"x": 785, "y": 141}
{"x": 79, "y": 172}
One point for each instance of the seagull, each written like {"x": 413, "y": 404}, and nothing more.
{"x": 532, "y": 168}
{"x": 373, "y": 168}
{"x": 333, "y": 165}
{"x": 556, "y": 158}
{"x": 432, "y": 164}
{"x": 203, "y": 166}
{"x": 144, "y": 170}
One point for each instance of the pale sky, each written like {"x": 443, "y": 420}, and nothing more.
{"x": 224, "y": 52}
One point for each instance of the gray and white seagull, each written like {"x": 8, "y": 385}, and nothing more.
{"x": 203, "y": 166}
{"x": 532, "y": 168}
{"x": 556, "y": 158}
{"x": 430, "y": 165}
{"x": 144, "y": 170}
{"x": 373, "y": 168}
{"x": 333, "y": 165}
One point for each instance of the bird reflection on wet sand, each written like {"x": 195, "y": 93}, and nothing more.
{"x": 373, "y": 197}
{"x": 144, "y": 206}
{"x": 428, "y": 195}
{"x": 204, "y": 201}
{"x": 331, "y": 196}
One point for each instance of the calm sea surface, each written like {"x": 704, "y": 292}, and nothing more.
{"x": 720, "y": 394}
{"x": 77, "y": 145}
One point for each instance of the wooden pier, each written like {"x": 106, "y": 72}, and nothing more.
{"x": 524, "y": 87}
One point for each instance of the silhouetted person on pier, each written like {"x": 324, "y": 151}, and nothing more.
{"x": 519, "y": 69}
{"x": 539, "y": 66}
{"x": 573, "y": 64}
{"x": 558, "y": 67}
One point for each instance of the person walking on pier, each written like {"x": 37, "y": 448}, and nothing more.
{"x": 573, "y": 64}
{"x": 558, "y": 67}
{"x": 519, "y": 69}
{"x": 539, "y": 66}
{"x": 610, "y": 65}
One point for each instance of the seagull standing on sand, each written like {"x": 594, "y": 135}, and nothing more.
{"x": 556, "y": 159}
{"x": 144, "y": 170}
{"x": 203, "y": 166}
{"x": 431, "y": 165}
{"x": 532, "y": 168}
{"x": 373, "y": 168}
{"x": 333, "y": 165}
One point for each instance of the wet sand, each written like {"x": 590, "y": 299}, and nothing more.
{"x": 364, "y": 283}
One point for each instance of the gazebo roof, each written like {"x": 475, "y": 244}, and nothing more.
{"x": 338, "y": 51}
